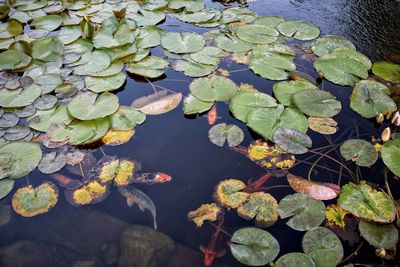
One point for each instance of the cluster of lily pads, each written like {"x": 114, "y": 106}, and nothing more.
{"x": 61, "y": 63}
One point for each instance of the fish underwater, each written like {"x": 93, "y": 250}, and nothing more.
{"x": 212, "y": 116}
{"x": 152, "y": 178}
{"x": 135, "y": 196}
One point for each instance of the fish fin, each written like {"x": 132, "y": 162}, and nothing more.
{"x": 221, "y": 253}
{"x": 141, "y": 207}
{"x": 203, "y": 249}
{"x": 130, "y": 201}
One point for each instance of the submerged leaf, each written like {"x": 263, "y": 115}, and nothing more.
{"x": 155, "y": 105}
{"x": 222, "y": 132}
{"x": 52, "y": 162}
{"x": 322, "y": 125}
{"x": 315, "y": 190}
{"x": 295, "y": 259}
{"x": 227, "y": 193}
{"x": 206, "y": 212}
{"x": 253, "y": 246}
{"x": 379, "y": 235}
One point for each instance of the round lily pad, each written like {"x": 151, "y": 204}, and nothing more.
{"x": 151, "y": 67}
{"x": 360, "y": 151}
{"x": 367, "y": 203}
{"x": 262, "y": 206}
{"x": 257, "y": 34}
{"x": 295, "y": 259}
{"x": 192, "y": 68}
{"x": 291, "y": 140}
{"x": 232, "y": 43}
{"x": 307, "y": 213}
{"x": 283, "y": 91}
{"x": 29, "y": 201}
{"x": 126, "y": 170}
{"x": 217, "y": 88}
{"x": 349, "y": 54}
{"x": 103, "y": 84}
{"x": 182, "y": 42}
{"x": 270, "y": 156}
{"x": 49, "y": 22}
{"x": 42, "y": 119}
{"x": 253, "y": 246}
{"x": 222, "y": 132}
{"x": 197, "y": 17}
{"x": 90, "y": 193}
{"x": 299, "y": 29}
{"x": 117, "y": 137}
{"x": 387, "y": 70}
{"x": 209, "y": 55}
{"x": 52, "y": 162}
{"x": 192, "y": 105}
{"x": 323, "y": 246}
{"x": 315, "y": 102}
{"x": 23, "y": 157}
{"x": 126, "y": 118}
{"x": 370, "y": 98}
{"x": 20, "y": 97}
{"x": 379, "y": 235}
{"x": 272, "y": 65}
{"x": 322, "y": 125}
{"x": 14, "y": 60}
{"x": 391, "y": 155}
{"x": 89, "y": 105}
{"x": 326, "y": 44}
{"x": 6, "y": 186}
{"x": 227, "y": 193}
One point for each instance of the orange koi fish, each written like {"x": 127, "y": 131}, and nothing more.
{"x": 212, "y": 115}
{"x": 210, "y": 252}
{"x": 152, "y": 178}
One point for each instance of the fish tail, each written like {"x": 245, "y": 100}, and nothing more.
{"x": 155, "y": 222}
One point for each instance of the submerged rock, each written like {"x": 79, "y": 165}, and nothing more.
{"x": 142, "y": 246}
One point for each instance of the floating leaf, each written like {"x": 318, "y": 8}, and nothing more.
{"x": 391, "y": 155}
{"x": 315, "y": 102}
{"x": 349, "y": 54}
{"x": 322, "y": 125}
{"x": 387, "y": 70}
{"x": 103, "y": 84}
{"x": 151, "y": 67}
{"x": 18, "y": 132}
{"x": 191, "y": 5}
{"x": 299, "y": 29}
{"x": 370, "y": 98}
{"x": 6, "y": 186}
{"x": 29, "y": 201}
{"x": 10, "y": 29}
{"x": 192, "y": 105}
{"x": 232, "y": 44}
{"x": 253, "y": 246}
{"x": 307, "y": 213}
{"x": 107, "y": 169}
{"x": 90, "y": 106}
{"x": 14, "y": 60}
{"x": 292, "y": 141}
{"x": 182, "y": 42}
{"x": 20, "y": 97}
{"x": 270, "y": 156}
{"x": 367, "y": 203}
{"x": 49, "y": 22}
{"x": 92, "y": 63}
{"x": 326, "y": 44}
{"x": 192, "y": 68}
{"x": 315, "y": 190}
{"x": 227, "y": 193}
{"x": 161, "y": 105}
{"x": 45, "y": 101}
{"x": 379, "y": 235}
{"x": 323, "y": 246}
{"x": 360, "y": 151}
{"x": 262, "y": 206}
{"x": 42, "y": 119}
{"x": 206, "y": 212}
{"x": 203, "y": 15}
{"x": 52, "y": 162}
{"x": 48, "y": 49}
{"x": 222, "y": 132}
{"x": 90, "y": 193}
{"x": 126, "y": 170}
{"x": 22, "y": 158}
{"x": 257, "y": 34}
{"x": 341, "y": 71}
{"x": 126, "y": 118}
{"x": 266, "y": 121}
{"x": 283, "y": 91}
{"x": 113, "y": 33}
{"x": 335, "y": 216}
{"x": 209, "y": 55}
{"x": 295, "y": 259}
{"x": 216, "y": 88}
{"x": 8, "y": 120}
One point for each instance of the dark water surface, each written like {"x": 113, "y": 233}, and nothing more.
{"x": 178, "y": 145}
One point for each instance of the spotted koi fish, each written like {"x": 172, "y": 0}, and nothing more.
{"x": 152, "y": 178}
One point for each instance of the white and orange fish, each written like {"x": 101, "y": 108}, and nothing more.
{"x": 152, "y": 178}
{"x": 212, "y": 115}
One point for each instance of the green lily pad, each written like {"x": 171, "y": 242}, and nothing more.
{"x": 254, "y": 247}
{"x": 188, "y": 5}
{"x": 42, "y": 119}
{"x": 92, "y": 63}
{"x": 271, "y": 21}
{"x": 391, "y": 155}
{"x": 299, "y": 29}
{"x": 262, "y": 206}
{"x": 49, "y": 22}
{"x": 10, "y": 29}
{"x": 182, "y": 42}
{"x": 326, "y": 44}
{"x": 126, "y": 118}
{"x": 360, "y": 151}
{"x": 283, "y": 91}
{"x": 6, "y": 186}
{"x": 257, "y": 34}
{"x": 52, "y": 162}
{"x": 197, "y": 17}
{"x": 350, "y": 54}
{"x": 48, "y": 49}
{"x": 323, "y": 246}
{"x": 343, "y": 71}
{"x": 46, "y": 101}
{"x": 370, "y": 98}
{"x": 379, "y": 235}
{"x": 292, "y": 141}
{"x": 113, "y": 33}
{"x": 192, "y": 105}
{"x": 307, "y": 213}
{"x": 209, "y": 55}
{"x": 14, "y": 60}
{"x": 151, "y": 67}
{"x": 22, "y": 158}
{"x": 266, "y": 121}
{"x": 243, "y": 103}
{"x": 295, "y": 259}
{"x": 232, "y": 43}
{"x": 322, "y": 125}
{"x": 20, "y": 97}
{"x": 221, "y": 133}
{"x": 387, "y": 70}
{"x": 367, "y": 203}
{"x": 192, "y": 68}
{"x": 69, "y": 34}
{"x": 146, "y": 18}
{"x": 216, "y": 88}
{"x": 115, "y": 68}
{"x": 90, "y": 106}
{"x": 315, "y": 102}
{"x": 104, "y": 84}
{"x": 149, "y": 36}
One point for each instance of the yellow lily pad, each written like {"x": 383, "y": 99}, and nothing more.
{"x": 206, "y": 212}
{"x": 117, "y": 137}
{"x": 270, "y": 156}
{"x": 227, "y": 193}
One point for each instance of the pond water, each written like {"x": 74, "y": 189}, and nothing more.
{"x": 179, "y": 146}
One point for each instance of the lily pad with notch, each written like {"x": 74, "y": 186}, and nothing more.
{"x": 182, "y": 42}
{"x": 221, "y": 133}
{"x": 391, "y": 155}
{"x": 379, "y": 235}
{"x": 52, "y": 162}
{"x": 298, "y": 29}
{"x": 216, "y": 88}
{"x": 362, "y": 152}
{"x": 315, "y": 102}
{"x": 228, "y": 193}
{"x": 292, "y": 141}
